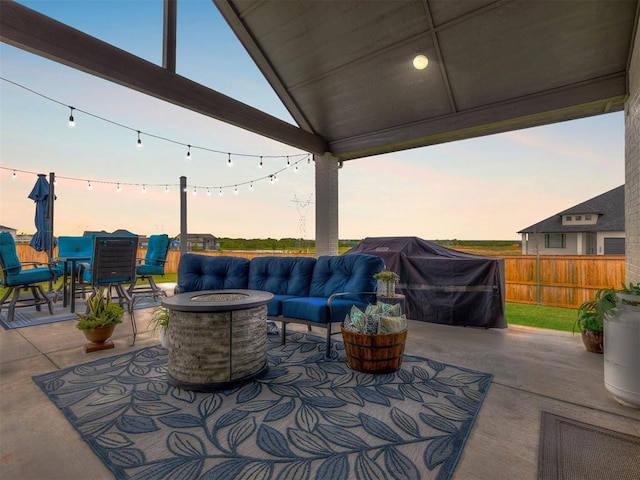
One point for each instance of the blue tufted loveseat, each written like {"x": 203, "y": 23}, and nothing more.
{"x": 305, "y": 290}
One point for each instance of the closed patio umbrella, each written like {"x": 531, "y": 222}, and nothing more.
{"x": 43, "y": 239}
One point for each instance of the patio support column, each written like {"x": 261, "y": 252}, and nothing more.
{"x": 632, "y": 169}
{"x": 326, "y": 204}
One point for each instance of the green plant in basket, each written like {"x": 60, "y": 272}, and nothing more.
{"x": 102, "y": 312}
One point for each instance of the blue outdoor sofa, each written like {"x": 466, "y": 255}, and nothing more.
{"x": 306, "y": 290}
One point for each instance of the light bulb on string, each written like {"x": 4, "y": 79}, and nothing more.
{"x": 208, "y": 192}
{"x": 72, "y": 122}
{"x": 251, "y": 186}
{"x": 89, "y": 187}
{"x": 14, "y": 176}
{"x": 118, "y": 188}
{"x": 271, "y": 178}
{"x": 195, "y": 191}
{"x": 139, "y": 145}
{"x": 220, "y": 192}
{"x": 229, "y": 162}
{"x": 288, "y": 163}
{"x": 166, "y": 189}
{"x": 188, "y": 157}
{"x": 235, "y": 190}
{"x": 260, "y": 165}
{"x": 144, "y": 189}
{"x": 295, "y": 170}
{"x": 308, "y": 159}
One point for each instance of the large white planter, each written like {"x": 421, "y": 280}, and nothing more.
{"x": 622, "y": 352}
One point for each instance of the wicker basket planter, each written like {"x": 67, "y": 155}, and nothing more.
{"x": 374, "y": 353}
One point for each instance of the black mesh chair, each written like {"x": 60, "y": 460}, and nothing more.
{"x": 114, "y": 267}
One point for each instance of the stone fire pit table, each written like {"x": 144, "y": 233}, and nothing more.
{"x": 218, "y": 338}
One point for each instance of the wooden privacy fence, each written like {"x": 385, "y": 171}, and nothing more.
{"x": 554, "y": 280}
{"x": 559, "y": 280}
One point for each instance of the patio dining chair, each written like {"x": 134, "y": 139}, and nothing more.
{"x": 16, "y": 278}
{"x": 113, "y": 266}
{"x": 152, "y": 264}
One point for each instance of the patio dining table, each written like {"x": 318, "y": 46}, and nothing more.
{"x": 66, "y": 288}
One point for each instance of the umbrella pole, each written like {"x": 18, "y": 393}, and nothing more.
{"x": 52, "y": 197}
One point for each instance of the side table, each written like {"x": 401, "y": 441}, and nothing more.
{"x": 398, "y": 298}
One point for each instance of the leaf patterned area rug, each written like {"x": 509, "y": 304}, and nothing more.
{"x": 307, "y": 417}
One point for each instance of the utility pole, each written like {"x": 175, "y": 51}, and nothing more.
{"x": 302, "y": 206}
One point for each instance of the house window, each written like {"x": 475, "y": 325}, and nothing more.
{"x": 578, "y": 217}
{"x": 587, "y": 217}
{"x": 568, "y": 218}
{"x": 555, "y": 240}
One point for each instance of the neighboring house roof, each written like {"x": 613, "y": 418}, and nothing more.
{"x": 197, "y": 236}
{"x": 3, "y": 228}
{"x": 120, "y": 231}
{"x": 609, "y": 206}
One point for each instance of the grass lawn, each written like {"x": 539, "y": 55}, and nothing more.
{"x": 541, "y": 316}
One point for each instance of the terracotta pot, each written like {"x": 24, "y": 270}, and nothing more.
{"x": 100, "y": 334}
{"x": 593, "y": 341}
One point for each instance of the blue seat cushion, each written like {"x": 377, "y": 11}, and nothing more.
{"x": 281, "y": 275}
{"x": 346, "y": 273}
{"x": 203, "y": 272}
{"x": 274, "y": 307}
{"x": 26, "y": 276}
{"x": 8, "y": 254}
{"x": 75, "y": 247}
{"x": 157, "y": 251}
{"x": 316, "y": 309}
{"x": 150, "y": 270}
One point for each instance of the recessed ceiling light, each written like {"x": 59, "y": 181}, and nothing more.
{"x": 420, "y": 62}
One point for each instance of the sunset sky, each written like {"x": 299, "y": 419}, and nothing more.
{"x": 485, "y": 188}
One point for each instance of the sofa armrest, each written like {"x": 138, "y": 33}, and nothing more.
{"x": 344, "y": 294}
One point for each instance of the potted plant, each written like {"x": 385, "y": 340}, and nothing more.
{"x": 591, "y": 315}
{"x": 160, "y": 323}
{"x": 101, "y": 317}
{"x": 387, "y": 282}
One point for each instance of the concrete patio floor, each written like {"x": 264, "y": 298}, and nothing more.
{"x": 534, "y": 370}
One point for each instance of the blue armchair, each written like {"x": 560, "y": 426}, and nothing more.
{"x": 16, "y": 278}
{"x": 153, "y": 264}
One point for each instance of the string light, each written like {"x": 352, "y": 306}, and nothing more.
{"x": 208, "y": 192}
{"x": 184, "y": 189}
{"x": 295, "y": 170}
{"x": 139, "y": 142}
{"x": 229, "y": 162}
{"x": 260, "y": 166}
{"x": 273, "y": 178}
{"x": 72, "y": 122}
{"x": 195, "y": 191}
{"x": 220, "y": 192}
{"x": 235, "y": 190}
{"x": 288, "y": 163}
{"x": 188, "y": 152}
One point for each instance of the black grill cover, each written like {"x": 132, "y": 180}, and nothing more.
{"x": 443, "y": 285}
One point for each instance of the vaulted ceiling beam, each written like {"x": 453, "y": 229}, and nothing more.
{"x": 36, "y": 33}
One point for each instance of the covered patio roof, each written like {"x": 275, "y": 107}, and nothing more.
{"x": 344, "y": 69}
